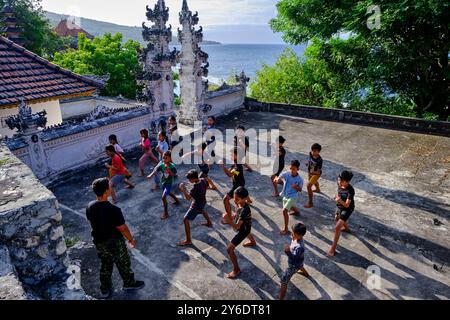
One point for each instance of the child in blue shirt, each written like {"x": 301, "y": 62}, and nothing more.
{"x": 296, "y": 257}
{"x": 293, "y": 184}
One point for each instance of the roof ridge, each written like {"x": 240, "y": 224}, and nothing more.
{"x": 49, "y": 64}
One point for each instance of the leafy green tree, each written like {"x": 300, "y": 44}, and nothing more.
{"x": 36, "y": 30}
{"x": 102, "y": 56}
{"x": 398, "y": 50}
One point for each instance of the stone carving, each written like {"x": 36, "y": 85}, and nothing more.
{"x": 25, "y": 120}
{"x": 242, "y": 79}
{"x": 157, "y": 61}
{"x": 194, "y": 67}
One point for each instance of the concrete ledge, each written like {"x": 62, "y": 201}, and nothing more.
{"x": 441, "y": 128}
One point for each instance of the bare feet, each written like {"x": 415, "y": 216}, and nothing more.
{"x": 308, "y": 205}
{"x": 294, "y": 213}
{"x": 233, "y": 274}
{"x": 184, "y": 243}
{"x": 346, "y": 230}
{"x": 164, "y": 216}
{"x": 284, "y": 232}
{"x": 331, "y": 253}
{"x": 175, "y": 203}
{"x": 249, "y": 244}
{"x": 129, "y": 187}
{"x": 317, "y": 191}
{"x": 275, "y": 195}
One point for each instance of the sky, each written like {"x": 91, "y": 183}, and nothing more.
{"x": 216, "y": 16}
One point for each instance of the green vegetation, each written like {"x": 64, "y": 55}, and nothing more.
{"x": 37, "y": 32}
{"x": 397, "y": 66}
{"x": 70, "y": 242}
{"x": 3, "y": 161}
{"x": 106, "y": 55}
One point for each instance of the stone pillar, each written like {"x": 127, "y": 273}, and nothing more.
{"x": 194, "y": 66}
{"x": 157, "y": 61}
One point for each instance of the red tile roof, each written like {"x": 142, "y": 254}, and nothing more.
{"x": 25, "y": 75}
{"x": 69, "y": 29}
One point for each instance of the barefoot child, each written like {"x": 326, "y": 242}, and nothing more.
{"x": 203, "y": 165}
{"x": 293, "y": 184}
{"x": 243, "y": 144}
{"x": 345, "y": 206}
{"x": 113, "y": 141}
{"x": 209, "y": 136}
{"x": 198, "y": 197}
{"x": 242, "y": 223}
{"x": 236, "y": 173}
{"x": 147, "y": 149}
{"x": 278, "y": 165}
{"x": 162, "y": 147}
{"x": 167, "y": 168}
{"x": 296, "y": 256}
{"x": 314, "y": 172}
{"x": 117, "y": 170}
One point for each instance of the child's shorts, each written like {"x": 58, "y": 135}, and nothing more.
{"x": 289, "y": 203}
{"x": 343, "y": 214}
{"x": 231, "y": 192}
{"x": 192, "y": 213}
{"x": 243, "y": 233}
{"x": 167, "y": 189}
{"x": 313, "y": 179}
{"x": 117, "y": 179}
{"x": 288, "y": 273}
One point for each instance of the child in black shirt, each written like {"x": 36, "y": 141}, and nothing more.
{"x": 345, "y": 206}
{"x": 236, "y": 173}
{"x": 198, "y": 197}
{"x": 279, "y": 164}
{"x": 242, "y": 223}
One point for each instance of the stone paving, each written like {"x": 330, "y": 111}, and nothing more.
{"x": 400, "y": 224}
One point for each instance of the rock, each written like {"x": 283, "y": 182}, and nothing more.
{"x": 43, "y": 228}
{"x": 32, "y": 242}
{"x": 57, "y": 217}
{"x": 56, "y": 233}
{"x": 42, "y": 252}
{"x": 61, "y": 248}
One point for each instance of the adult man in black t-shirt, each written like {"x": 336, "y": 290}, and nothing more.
{"x": 108, "y": 232}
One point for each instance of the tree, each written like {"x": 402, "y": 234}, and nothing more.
{"x": 398, "y": 50}
{"x": 106, "y": 55}
{"x": 36, "y": 30}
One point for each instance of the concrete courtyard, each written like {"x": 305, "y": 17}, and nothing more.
{"x": 402, "y": 185}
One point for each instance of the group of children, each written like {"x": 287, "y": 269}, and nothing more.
{"x": 164, "y": 173}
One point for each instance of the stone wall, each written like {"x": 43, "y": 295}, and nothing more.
{"x": 61, "y": 150}
{"x": 30, "y": 228}
{"x": 366, "y": 118}
{"x": 226, "y": 101}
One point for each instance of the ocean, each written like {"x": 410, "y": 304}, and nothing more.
{"x": 227, "y": 58}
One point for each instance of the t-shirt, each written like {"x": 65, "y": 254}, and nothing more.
{"x": 118, "y": 148}
{"x": 118, "y": 163}
{"x": 165, "y": 177}
{"x": 104, "y": 218}
{"x": 210, "y": 138}
{"x": 315, "y": 164}
{"x": 237, "y": 170}
{"x": 163, "y": 146}
{"x": 246, "y": 143}
{"x": 244, "y": 214}
{"x": 296, "y": 254}
{"x": 173, "y": 134}
{"x": 198, "y": 193}
{"x": 289, "y": 180}
{"x": 348, "y": 193}
{"x": 145, "y": 143}
{"x": 281, "y": 160}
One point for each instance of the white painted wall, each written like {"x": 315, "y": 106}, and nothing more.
{"x": 77, "y": 107}
{"x": 227, "y": 103}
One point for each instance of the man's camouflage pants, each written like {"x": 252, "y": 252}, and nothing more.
{"x": 114, "y": 251}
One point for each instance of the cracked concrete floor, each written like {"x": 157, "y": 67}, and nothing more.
{"x": 402, "y": 185}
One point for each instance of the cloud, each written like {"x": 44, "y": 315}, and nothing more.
{"x": 132, "y": 12}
